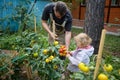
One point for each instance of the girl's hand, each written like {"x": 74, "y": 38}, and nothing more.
{"x": 67, "y": 55}
{"x": 69, "y": 52}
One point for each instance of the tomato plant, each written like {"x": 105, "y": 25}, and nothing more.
{"x": 35, "y": 51}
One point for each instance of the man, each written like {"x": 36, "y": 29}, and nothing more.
{"x": 59, "y": 14}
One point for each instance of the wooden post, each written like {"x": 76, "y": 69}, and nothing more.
{"x": 99, "y": 56}
{"x": 35, "y": 24}
{"x": 28, "y": 71}
{"x": 108, "y": 13}
{"x": 53, "y": 25}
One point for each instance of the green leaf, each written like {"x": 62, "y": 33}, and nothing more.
{"x": 34, "y": 66}
{"x": 3, "y": 67}
{"x": 19, "y": 58}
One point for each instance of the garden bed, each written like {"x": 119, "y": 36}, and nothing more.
{"x": 31, "y": 47}
{"x": 13, "y": 53}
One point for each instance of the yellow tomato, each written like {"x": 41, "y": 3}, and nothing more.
{"x": 102, "y": 76}
{"x": 47, "y": 60}
{"x": 51, "y": 57}
{"x": 83, "y": 67}
{"x": 55, "y": 43}
{"x": 55, "y": 66}
{"x": 108, "y": 67}
{"x": 86, "y": 69}
{"x": 35, "y": 55}
{"x": 119, "y": 71}
{"x": 45, "y": 51}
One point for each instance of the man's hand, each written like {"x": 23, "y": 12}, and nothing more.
{"x": 45, "y": 26}
{"x": 54, "y": 36}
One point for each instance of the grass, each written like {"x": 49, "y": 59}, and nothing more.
{"x": 76, "y": 31}
{"x": 112, "y": 45}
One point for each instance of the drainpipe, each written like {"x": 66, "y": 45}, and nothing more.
{"x": 79, "y": 11}
{"x": 108, "y": 14}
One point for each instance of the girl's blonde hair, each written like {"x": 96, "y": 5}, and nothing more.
{"x": 82, "y": 40}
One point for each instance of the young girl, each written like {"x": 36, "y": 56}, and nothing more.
{"x": 82, "y": 53}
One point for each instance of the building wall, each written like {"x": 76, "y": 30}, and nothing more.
{"x": 83, "y": 10}
{"x": 78, "y": 12}
{"x": 8, "y": 11}
{"x": 114, "y": 16}
{"x": 75, "y": 10}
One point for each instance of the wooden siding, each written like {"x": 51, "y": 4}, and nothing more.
{"x": 78, "y": 12}
{"x": 114, "y": 15}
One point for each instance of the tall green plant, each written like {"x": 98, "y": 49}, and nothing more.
{"x": 20, "y": 17}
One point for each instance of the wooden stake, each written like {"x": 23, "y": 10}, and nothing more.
{"x": 53, "y": 25}
{"x": 35, "y": 24}
{"x": 99, "y": 56}
{"x": 29, "y": 72}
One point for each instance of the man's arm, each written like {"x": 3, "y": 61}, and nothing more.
{"x": 67, "y": 39}
{"x": 45, "y": 26}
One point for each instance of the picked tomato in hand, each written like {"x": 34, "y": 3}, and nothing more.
{"x": 62, "y": 50}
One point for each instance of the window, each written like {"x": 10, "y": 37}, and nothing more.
{"x": 83, "y": 2}
{"x": 115, "y": 3}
